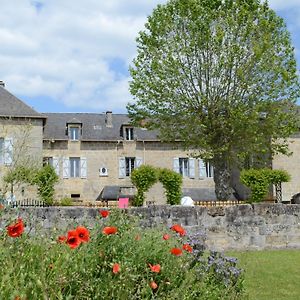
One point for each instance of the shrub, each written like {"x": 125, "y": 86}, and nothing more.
{"x": 143, "y": 178}
{"x": 115, "y": 260}
{"x": 260, "y": 180}
{"x": 66, "y": 201}
{"x": 172, "y": 182}
{"x": 45, "y": 179}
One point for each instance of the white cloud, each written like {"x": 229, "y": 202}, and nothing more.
{"x": 64, "y": 49}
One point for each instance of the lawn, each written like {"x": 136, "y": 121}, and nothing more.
{"x": 271, "y": 275}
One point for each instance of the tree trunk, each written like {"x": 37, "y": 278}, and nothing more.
{"x": 222, "y": 177}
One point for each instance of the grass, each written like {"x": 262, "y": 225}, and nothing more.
{"x": 271, "y": 275}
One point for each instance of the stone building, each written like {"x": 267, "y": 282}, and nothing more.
{"x": 94, "y": 154}
{"x": 21, "y": 139}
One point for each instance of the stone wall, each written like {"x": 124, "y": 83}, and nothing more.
{"x": 242, "y": 227}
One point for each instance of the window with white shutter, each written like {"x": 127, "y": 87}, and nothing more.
{"x": 66, "y": 167}
{"x": 205, "y": 169}
{"x": 122, "y": 167}
{"x": 191, "y": 167}
{"x": 83, "y": 167}
{"x": 176, "y": 165}
{"x": 1, "y": 151}
{"x": 55, "y": 165}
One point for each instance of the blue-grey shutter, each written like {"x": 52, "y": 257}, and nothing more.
{"x": 55, "y": 165}
{"x": 8, "y": 151}
{"x": 66, "y": 167}
{"x": 138, "y": 162}
{"x": 83, "y": 167}
{"x": 122, "y": 167}
{"x": 176, "y": 165}
{"x": 202, "y": 168}
{"x": 191, "y": 167}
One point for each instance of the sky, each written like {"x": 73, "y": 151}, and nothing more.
{"x": 73, "y": 56}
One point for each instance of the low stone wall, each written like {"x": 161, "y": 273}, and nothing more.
{"x": 241, "y": 227}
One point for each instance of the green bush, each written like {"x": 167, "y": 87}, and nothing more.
{"x": 260, "y": 180}
{"x": 66, "y": 201}
{"x": 45, "y": 179}
{"x": 172, "y": 183}
{"x": 39, "y": 267}
{"x": 143, "y": 178}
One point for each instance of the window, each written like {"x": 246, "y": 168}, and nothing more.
{"x": 206, "y": 170}
{"x": 184, "y": 166}
{"x": 74, "y": 133}
{"x": 130, "y": 165}
{"x": 48, "y": 161}
{"x": 74, "y": 167}
{"x": 129, "y": 134}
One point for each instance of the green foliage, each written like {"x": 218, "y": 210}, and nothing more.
{"x": 66, "y": 201}
{"x": 45, "y": 179}
{"x": 220, "y": 76}
{"x": 20, "y": 174}
{"x": 172, "y": 182}
{"x": 47, "y": 269}
{"x": 143, "y": 178}
{"x": 259, "y": 181}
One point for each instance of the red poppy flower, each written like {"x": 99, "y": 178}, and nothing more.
{"x": 153, "y": 285}
{"x": 116, "y": 268}
{"x": 176, "y": 251}
{"x": 61, "y": 239}
{"x": 83, "y": 234}
{"x": 177, "y": 228}
{"x": 73, "y": 239}
{"x": 104, "y": 213}
{"x": 110, "y": 230}
{"x": 187, "y": 248}
{"x": 137, "y": 237}
{"x": 166, "y": 236}
{"x": 155, "y": 268}
{"x": 1, "y": 206}
{"x": 16, "y": 229}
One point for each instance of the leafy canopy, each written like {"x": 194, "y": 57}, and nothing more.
{"x": 218, "y": 75}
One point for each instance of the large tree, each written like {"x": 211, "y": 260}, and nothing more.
{"x": 219, "y": 75}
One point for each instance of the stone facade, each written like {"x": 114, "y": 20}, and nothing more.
{"x": 241, "y": 227}
{"x": 291, "y": 165}
{"x": 107, "y": 154}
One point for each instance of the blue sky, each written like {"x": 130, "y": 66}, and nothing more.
{"x": 73, "y": 56}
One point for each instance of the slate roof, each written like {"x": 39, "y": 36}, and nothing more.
{"x": 11, "y": 106}
{"x": 93, "y": 127}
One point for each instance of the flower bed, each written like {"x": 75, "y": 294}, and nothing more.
{"x": 115, "y": 260}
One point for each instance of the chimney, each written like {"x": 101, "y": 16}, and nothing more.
{"x": 108, "y": 119}
{"x": 2, "y": 83}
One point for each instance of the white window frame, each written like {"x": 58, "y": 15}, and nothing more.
{"x": 206, "y": 170}
{"x": 72, "y": 133}
{"x": 128, "y": 133}
{"x": 130, "y": 165}
{"x": 75, "y": 171}
{"x": 184, "y": 166}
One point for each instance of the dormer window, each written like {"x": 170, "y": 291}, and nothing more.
{"x": 128, "y": 133}
{"x": 74, "y": 132}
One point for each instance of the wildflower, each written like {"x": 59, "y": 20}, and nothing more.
{"x": 187, "y": 248}
{"x": 137, "y": 237}
{"x": 153, "y": 285}
{"x": 1, "y": 206}
{"x": 61, "y": 238}
{"x": 155, "y": 268}
{"x": 116, "y": 268}
{"x": 73, "y": 239}
{"x": 177, "y": 228}
{"x": 109, "y": 230}
{"x": 104, "y": 213}
{"x": 166, "y": 236}
{"x": 16, "y": 229}
{"x": 176, "y": 251}
{"x": 83, "y": 234}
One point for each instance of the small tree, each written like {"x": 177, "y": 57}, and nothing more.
{"x": 45, "y": 179}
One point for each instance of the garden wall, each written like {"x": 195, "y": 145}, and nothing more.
{"x": 241, "y": 227}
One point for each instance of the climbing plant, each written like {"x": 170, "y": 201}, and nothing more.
{"x": 146, "y": 176}
{"x": 259, "y": 181}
